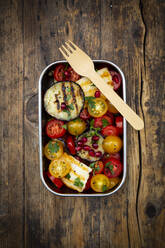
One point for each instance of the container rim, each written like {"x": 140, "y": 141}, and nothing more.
{"x": 40, "y": 134}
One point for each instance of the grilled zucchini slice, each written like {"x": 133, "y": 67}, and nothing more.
{"x": 69, "y": 93}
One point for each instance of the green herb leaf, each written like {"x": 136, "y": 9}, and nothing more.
{"x": 64, "y": 126}
{"x": 104, "y": 188}
{"x": 68, "y": 176}
{"x": 105, "y": 122}
{"x": 66, "y": 67}
{"x": 67, "y": 111}
{"x": 111, "y": 169}
{"x": 70, "y": 106}
{"x": 107, "y": 164}
{"x": 90, "y": 100}
{"x": 92, "y": 123}
{"x": 92, "y": 165}
{"x": 68, "y": 97}
{"x": 78, "y": 183}
{"x": 53, "y": 147}
{"x": 68, "y": 89}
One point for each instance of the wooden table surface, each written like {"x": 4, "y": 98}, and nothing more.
{"x": 131, "y": 34}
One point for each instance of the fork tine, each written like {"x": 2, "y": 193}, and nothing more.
{"x": 65, "y": 56}
{"x": 66, "y": 50}
{"x": 71, "y": 48}
{"x": 76, "y": 47}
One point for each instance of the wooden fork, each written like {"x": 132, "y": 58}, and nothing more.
{"x": 84, "y": 66}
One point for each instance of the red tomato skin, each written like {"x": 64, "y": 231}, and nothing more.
{"x": 117, "y": 167}
{"x": 110, "y": 130}
{"x": 71, "y": 145}
{"x": 115, "y": 155}
{"x": 116, "y": 78}
{"x": 98, "y": 121}
{"x": 84, "y": 114}
{"x": 73, "y": 76}
{"x": 101, "y": 166}
{"x": 57, "y": 182}
{"x": 59, "y": 72}
{"x": 119, "y": 124}
{"x": 57, "y": 125}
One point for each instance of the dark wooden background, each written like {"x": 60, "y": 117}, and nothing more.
{"x": 130, "y": 33}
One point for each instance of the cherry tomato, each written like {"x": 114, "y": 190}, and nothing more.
{"x": 76, "y": 127}
{"x": 53, "y": 150}
{"x": 112, "y": 144}
{"x": 84, "y": 114}
{"x": 112, "y": 167}
{"x": 71, "y": 145}
{"x": 59, "y": 72}
{"x": 115, "y": 155}
{"x": 97, "y": 107}
{"x": 60, "y": 167}
{"x": 113, "y": 182}
{"x": 88, "y": 183}
{"x": 119, "y": 124}
{"x": 73, "y": 76}
{"x": 58, "y": 183}
{"x": 112, "y": 109}
{"x": 103, "y": 121}
{"x": 116, "y": 78}
{"x": 110, "y": 130}
{"x": 55, "y": 129}
{"x": 100, "y": 183}
{"x": 97, "y": 167}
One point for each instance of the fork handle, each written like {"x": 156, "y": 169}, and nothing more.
{"x": 134, "y": 120}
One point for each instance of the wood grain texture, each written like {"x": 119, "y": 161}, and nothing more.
{"x": 128, "y": 33}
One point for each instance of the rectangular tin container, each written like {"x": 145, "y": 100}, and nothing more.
{"x": 42, "y": 87}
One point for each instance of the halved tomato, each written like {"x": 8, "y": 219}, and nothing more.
{"x": 59, "y": 73}
{"x": 97, "y": 167}
{"x": 110, "y": 130}
{"x": 97, "y": 107}
{"x": 84, "y": 114}
{"x": 57, "y": 182}
{"x": 103, "y": 121}
{"x": 71, "y": 145}
{"x": 119, "y": 124}
{"x": 64, "y": 72}
{"x": 55, "y": 129}
{"x": 73, "y": 76}
{"x": 113, "y": 167}
{"x": 116, "y": 78}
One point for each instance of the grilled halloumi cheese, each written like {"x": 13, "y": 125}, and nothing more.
{"x": 69, "y": 93}
{"x": 89, "y": 88}
{"x": 78, "y": 176}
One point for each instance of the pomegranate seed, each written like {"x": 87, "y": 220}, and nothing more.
{"x": 95, "y": 146}
{"x": 91, "y": 153}
{"x": 95, "y": 138}
{"x": 87, "y": 148}
{"x": 80, "y": 143}
{"x": 63, "y": 106}
{"x": 84, "y": 139}
{"x": 78, "y": 148}
{"x": 98, "y": 154}
{"x": 66, "y": 73}
{"x": 97, "y": 93}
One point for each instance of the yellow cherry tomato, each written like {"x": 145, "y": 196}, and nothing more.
{"x": 113, "y": 182}
{"x": 112, "y": 109}
{"x": 112, "y": 144}
{"x": 59, "y": 167}
{"x": 76, "y": 127}
{"x": 53, "y": 150}
{"x": 97, "y": 107}
{"x": 100, "y": 183}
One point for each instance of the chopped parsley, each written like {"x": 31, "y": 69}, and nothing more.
{"x": 104, "y": 188}
{"x": 68, "y": 89}
{"x": 53, "y": 147}
{"x": 110, "y": 166}
{"x": 105, "y": 122}
{"x": 67, "y": 111}
{"x": 68, "y": 176}
{"x": 70, "y": 106}
{"x": 77, "y": 182}
{"x": 68, "y": 97}
{"x": 91, "y": 102}
{"x": 64, "y": 126}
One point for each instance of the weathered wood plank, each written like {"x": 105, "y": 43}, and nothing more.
{"x": 11, "y": 128}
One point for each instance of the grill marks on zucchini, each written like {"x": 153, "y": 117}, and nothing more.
{"x": 69, "y": 93}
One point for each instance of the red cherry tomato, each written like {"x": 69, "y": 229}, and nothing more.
{"x": 116, "y": 78}
{"x": 59, "y": 72}
{"x": 103, "y": 121}
{"x": 119, "y": 124}
{"x": 58, "y": 183}
{"x": 73, "y": 76}
{"x": 110, "y": 130}
{"x": 55, "y": 129}
{"x": 112, "y": 167}
{"x": 71, "y": 145}
{"x": 115, "y": 155}
{"x": 84, "y": 114}
{"x": 97, "y": 167}
{"x": 88, "y": 184}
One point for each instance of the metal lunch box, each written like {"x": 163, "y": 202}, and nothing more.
{"x": 44, "y": 83}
